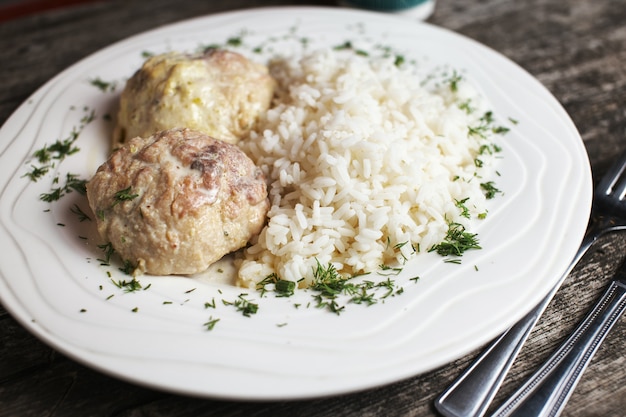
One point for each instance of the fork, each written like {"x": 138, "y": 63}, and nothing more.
{"x": 472, "y": 392}
{"x": 546, "y": 392}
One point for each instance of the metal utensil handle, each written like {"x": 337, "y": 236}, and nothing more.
{"x": 472, "y": 392}
{"x": 547, "y": 391}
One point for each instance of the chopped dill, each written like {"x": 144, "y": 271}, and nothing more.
{"x": 489, "y": 149}
{"x": 388, "y": 285}
{"x": 461, "y": 206}
{"x": 108, "y": 250}
{"x": 489, "y": 189}
{"x": 399, "y": 246}
{"x": 128, "y": 267}
{"x": 54, "y": 195}
{"x": 234, "y": 41}
{"x": 80, "y": 213}
{"x": 42, "y": 155}
{"x": 243, "y": 305}
{"x": 72, "y": 183}
{"x": 456, "y": 261}
{"x": 456, "y": 241}
{"x": 486, "y": 126}
{"x": 343, "y": 46}
{"x": 329, "y": 287}
{"x": 467, "y": 107}
{"x": 63, "y": 148}
{"x": 36, "y": 172}
{"x": 284, "y": 288}
{"x": 386, "y": 270}
{"x": 104, "y": 86}
{"x": 454, "y": 81}
{"x": 76, "y": 184}
{"x": 328, "y": 284}
{"x": 327, "y": 280}
{"x": 124, "y": 195}
{"x": 210, "y": 325}
{"x": 363, "y": 296}
{"x": 500, "y": 130}
{"x": 128, "y": 286}
{"x": 281, "y": 287}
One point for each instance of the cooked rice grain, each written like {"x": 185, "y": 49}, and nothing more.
{"x": 361, "y": 158}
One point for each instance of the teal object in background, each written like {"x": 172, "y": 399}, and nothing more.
{"x": 419, "y": 9}
{"x": 385, "y": 5}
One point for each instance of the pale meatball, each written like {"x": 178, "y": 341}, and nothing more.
{"x": 177, "y": 201}
{"x": 218, "y": 92}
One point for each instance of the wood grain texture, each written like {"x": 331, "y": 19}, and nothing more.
{"x": 576, "y": 48}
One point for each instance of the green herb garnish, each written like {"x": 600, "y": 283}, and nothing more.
{"x": 211, "y": 323}
{"x": 104, "y": 86}
{"x": 461, "y": 205}
{"x": 489, "y": 189}
{"x": 486, "y": 125}
{"x": 454, "y": 81}
{"x": 235, "y": 41}
{"x": 128, "y": 286}
{"x": 329, "y": 286}
{"x": 282, "y": 288}
{"x": 37, "y": 172}
{"x": 386, "y": 270}
{"x": 124, "y": 195}
{"x": 108, "y": 250}
{"x": 456, "y": 242}
{"x": 246, "y": 307}
{"x": 72, "y": 183}
{"x": 80, "y": 213}
{"x": 128, "y": 268}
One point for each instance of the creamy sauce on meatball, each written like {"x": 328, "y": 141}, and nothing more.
{"x": 189, "y": 199}
{"x": 218, "y": 92}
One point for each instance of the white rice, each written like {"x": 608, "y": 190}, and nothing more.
{"x": 361, "y": 157}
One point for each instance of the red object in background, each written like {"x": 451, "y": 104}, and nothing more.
{"x": 19, "y": 8}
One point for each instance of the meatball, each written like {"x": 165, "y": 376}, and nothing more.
{"x": 177, "y": 201}
{"x": 218, "y": 92}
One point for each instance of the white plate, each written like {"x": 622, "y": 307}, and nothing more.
{"x": 49, "y": 274}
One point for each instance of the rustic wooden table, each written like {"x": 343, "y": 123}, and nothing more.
{"x": 576, "y": 48}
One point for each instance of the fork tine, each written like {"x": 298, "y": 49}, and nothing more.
{"x": 609, "y": 183}
{"x": 619, "y": 189}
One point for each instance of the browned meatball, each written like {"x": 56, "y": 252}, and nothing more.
{"x": 218, "y": 92}
{"x": 177, "y": 201}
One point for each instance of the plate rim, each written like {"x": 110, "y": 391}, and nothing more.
{"x": 50, "y": 339}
